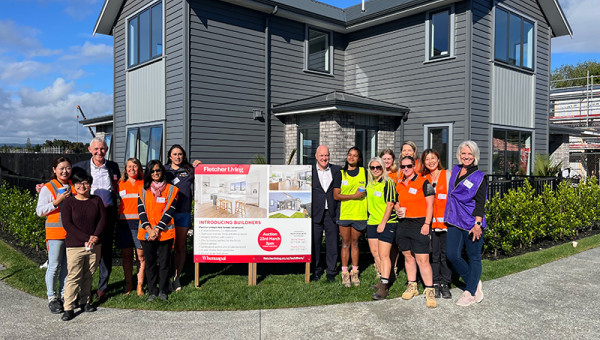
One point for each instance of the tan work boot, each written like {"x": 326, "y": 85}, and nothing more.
{"x": 411, "y": 291}
{"x": 354, "y": 278}
{"x": 382, "y": 292}
{"x": 346, "y": 279}
{"x": 430, "y": 297}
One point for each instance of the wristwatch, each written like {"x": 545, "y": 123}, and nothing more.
{"x": 478, "y": 223}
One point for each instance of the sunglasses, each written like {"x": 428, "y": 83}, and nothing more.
{"x": 408, "y": 166}
{"x": 155, "y": 171}
{"x": 379, "y": 167}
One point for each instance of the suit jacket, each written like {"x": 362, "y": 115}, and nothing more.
{"x": 113, "y": 172}
{"x": 320, "y": 194}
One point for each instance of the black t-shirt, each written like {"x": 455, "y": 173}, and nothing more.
{"x": 184, "y": 181}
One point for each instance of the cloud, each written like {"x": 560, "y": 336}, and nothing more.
{"x": 49, "y": 113}
{"x": 18, "y": 71}
{"x": 22, "y": 40}
{"x": 80, "y": 9}
{"x": 583, "y": 17}
{"x": 89, "y": 53}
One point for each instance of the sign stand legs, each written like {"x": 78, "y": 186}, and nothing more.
{"x": 252, "y": 274}
{"x": 197, "y": 274}
{"x": 307, "y": 273}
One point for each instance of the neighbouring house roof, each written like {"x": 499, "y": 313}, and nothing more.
{"x": 560, "y": 129}
{"x": 96, "y": 121}
{"x": 342, "y": 20}
{"x": 340, "y": 101}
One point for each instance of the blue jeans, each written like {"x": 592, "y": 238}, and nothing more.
{"x": 57, "y": 256}
{"x": 470, "y": 272}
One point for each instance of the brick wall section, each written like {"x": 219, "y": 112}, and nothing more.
{"x": 291, "y": 139}
{"x": 386, "y": 134}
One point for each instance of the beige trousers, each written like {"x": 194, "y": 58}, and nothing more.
{"x": 81, "y": 266}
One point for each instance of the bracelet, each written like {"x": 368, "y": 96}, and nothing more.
{"x": 428, "y": 223}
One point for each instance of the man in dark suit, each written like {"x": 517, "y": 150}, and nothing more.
{"x": 323, "y": 215}
{"x": 106, "y": 176}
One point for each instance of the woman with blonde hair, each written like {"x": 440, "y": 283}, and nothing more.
{"x": 389, "y": 159}
{"x": 409, "y": 148}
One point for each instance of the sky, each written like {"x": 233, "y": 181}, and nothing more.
{"x": 50, "y": 63}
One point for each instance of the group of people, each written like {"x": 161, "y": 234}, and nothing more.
{"x": 88, "y": 203}
{"x": 411, "y": 206}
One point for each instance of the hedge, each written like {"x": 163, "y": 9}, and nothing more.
{"x": 518, "y": 220}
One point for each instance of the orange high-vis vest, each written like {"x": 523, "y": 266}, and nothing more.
{"x": 54, "y": 226}
{"x": 129, "y": 193}
{"x": 439, "y": 205}
{"x": 412, "y": 197}
{"x": 155, "y": 208}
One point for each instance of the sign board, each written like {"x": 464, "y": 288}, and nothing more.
{"x": 252, "y": 213}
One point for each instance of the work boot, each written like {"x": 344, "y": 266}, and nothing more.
{"x": 430, "y": 297}
{"x": 411, "y": 290}
{"x": 436, "y": 287}
{"x": 346, "y": 279}
{"x": 354, "y": 278}
{"x": 376, "y": 286}
{"x": 445, "y": 290}
{"x": 382, "y": 292}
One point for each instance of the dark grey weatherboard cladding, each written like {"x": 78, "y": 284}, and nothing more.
{"x": 226, "y": 82}
{"x": 174, "y": 77}
{"x": 386, "y": 62}
{"x": 120, "y": 77}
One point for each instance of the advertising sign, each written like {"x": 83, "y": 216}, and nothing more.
{"x": 252, "y": 213}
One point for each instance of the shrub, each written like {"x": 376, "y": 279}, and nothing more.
{"x": 18, "y": 217}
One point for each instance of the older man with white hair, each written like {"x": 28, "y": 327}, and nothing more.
{"x": 106, "y": 175}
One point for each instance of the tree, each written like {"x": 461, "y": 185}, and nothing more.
{"x": 28, "y": 144}
{"x": 560, "y": 75}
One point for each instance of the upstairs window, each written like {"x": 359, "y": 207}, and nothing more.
{"x": 514, "y": 39}
{"x": 318, "y": 51}
{"x": 145, "y": 35}
{"x": 144, "y": 143}
{"x": 440, "y": 34}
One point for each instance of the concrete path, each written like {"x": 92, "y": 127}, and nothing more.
{"x": 558, "y": 300}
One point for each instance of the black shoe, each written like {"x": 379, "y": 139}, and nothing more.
{"x": 151, "y": 297}
{"x": 67, "y": 315}
{"x": 55, "y": 307}
{"x": 445, "y": 290}
{"x": 330, "y": 278}
{"x": 316, "y": 276}
{"x": 88, "y": 308}
{"x": 437, "y": 290}
{"x": 163, "y": 296}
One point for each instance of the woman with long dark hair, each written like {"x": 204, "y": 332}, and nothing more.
{"x": 350, "y": 190}
{"x": 156, "y": 207}
{"x": 181, "y": 174}
{"x": 52, "y": 194}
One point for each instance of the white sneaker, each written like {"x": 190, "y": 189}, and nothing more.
{"x": 466, "y": 299}
{"x": 479, "y": 292}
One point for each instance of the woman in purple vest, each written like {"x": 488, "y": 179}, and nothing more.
{"x": 465, "y": 215}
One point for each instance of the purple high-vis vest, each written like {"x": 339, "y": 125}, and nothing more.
{"x": 460, "y": 202}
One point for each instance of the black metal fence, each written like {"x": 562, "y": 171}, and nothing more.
{"x": 502, "y": 184}
{"x": 28, "y": 183}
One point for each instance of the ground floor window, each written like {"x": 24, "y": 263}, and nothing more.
{"x": 511, "y": 152}
{"x": 144, "y": 143}
{"x": 308, "y": 142}
{"x": 439, "y": 138}
{"x": 366, "y": 140}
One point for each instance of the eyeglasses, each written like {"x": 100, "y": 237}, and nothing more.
{"x": 81, "y": 184}
{"x": 154, "y": 171}
{"x": 378, "y": 167}
{"x": 407, "y": 166}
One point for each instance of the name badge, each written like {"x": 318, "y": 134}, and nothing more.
{"x": 412, "y": 191}
{"x": 122, "y": 193}
{"x": 344, "y": 182}
{"x": 160, "y": 200}
{"x": 468, "y": 183}
{"x": 441, "y": 196}
{"x": 440, "y": 219}
{"x": 377, "y": 193}
{"x": 175, "y": 181}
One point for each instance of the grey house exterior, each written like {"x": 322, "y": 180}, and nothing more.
{"x": 230, "y": 79}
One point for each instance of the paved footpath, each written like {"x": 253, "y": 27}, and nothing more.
{"x": 558, "y": 300}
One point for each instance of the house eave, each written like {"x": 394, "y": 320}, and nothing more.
{"x": 108, "y": 16}
{"x": 556, "y": 18}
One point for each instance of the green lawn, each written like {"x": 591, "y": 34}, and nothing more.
{"x": 225, "y": 287}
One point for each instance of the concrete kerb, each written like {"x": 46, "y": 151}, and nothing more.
{"x": 556, "y": 300}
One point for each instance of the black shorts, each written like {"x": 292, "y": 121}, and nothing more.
{"x": 357, "y": 225}
{"x": 388, "y": 234}
{"x": 409, "y": 237}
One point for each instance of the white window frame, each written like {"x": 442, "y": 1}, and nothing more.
{"x": 451, "y": 151}
{"x": 307, "y": 28}
{"x": 535, "y": 40}
{"x": 137, "y": 13}
{"x": 428, "y": 47}
{"x": 148, "y": 124}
